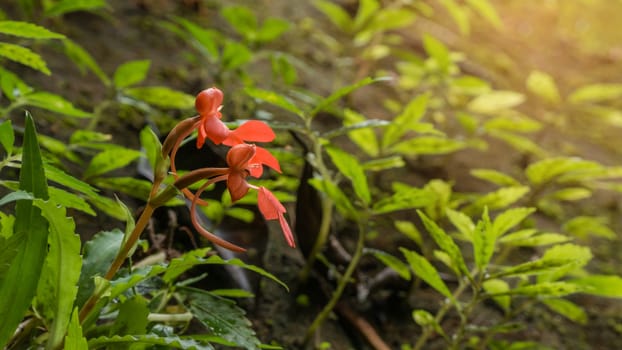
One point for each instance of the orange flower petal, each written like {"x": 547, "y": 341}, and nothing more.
{"x": 252, "y": 130}
{"x": 208, "y": 101}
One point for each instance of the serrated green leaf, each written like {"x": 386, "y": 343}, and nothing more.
{"x": 501, "y": 198}
{"x": 56, "y": 175}
{"x": 444, "y": 241}
{"x": 341, "y": 92}
{"x": 336, "y": 14}
{"x": 31, "y": 230}
{"x": 179, "y": 265}
{"x": 24, "y": 56}
{"x": 108, "y": 206}
{"x": 70, "y": 200}
{"x": 462, "y": 222}
{"x": 54, "y": 103}
{"x": 413, "y": 112}
{"x": 84, "y": 60}
{"x": 550, "y": 168}
{"x": 392, "y": 262}
{"x": 484, "y": 239}
{"x": 494, "y": 176}
{"x": 543, "y": 85}
{"x": 172, "y": 341}
{"x": 12, "y": 86}
{"x": 27, "y": 30}
{"x": 596, "y": 93}
{"x": 98, "y": 254}
{"x": 131, "y": 73}
{"x": 498, "y": 287}
{"x": 555, "y": 262}
{"x": 274, "y": 99}
{"x": 572, "y": 194}
{"x": 351, "y": 168}
{"x": 161, "y": 96}
{"x": 222, "y": 317}
{"x": 57, "y": 288}
{"x": 66, "y": 6}
{"x": 567, "y": 309}
{"x": 609, "y": 286}
{"x": 508, "y": 219}
{"x": 495, "y": 101}
{"x": 109, "y": 160}
{"x": 424, "y": 270}
{"x": 74, "y": 339}
{"x": 217, "y": 260}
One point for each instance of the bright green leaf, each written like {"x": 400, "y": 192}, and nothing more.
{"x": 444, "y": 241}
{"x": 508, "y": 219}
{"x": 161, "y": 96}
{"x": 550, "y": 168}
{"x": 485, "y": 9}
{"x": 66, "y": 6}
{"x": 483, "y": 241}
{"x": 351, "y": 168}
{"x": 392, "y": 262}
{"x": 543, "y": 85}
{"x": 424, "y": 270}
{"x": 341, "y": 92}
{"x": 583, "y": 226}
{"x": 27, "y": 30}
{"x": 495, "y": 101}
{"x": 132, "y": 317}
{"x": 494, "y": 176}
{"x": 342, "y": 202}
{"x": 70, "y": 200}
{"x": 501, "y": 198}
{"x": 410, "y": 230}
{"x": 131, "y": 73}
{"x": 109, "y": 160}
{"x": 546, "y": 289}
{"x": 412, "y": 114}
{"x": 498, "y": 287}
{"x": 54, "y": 103}
{"x": 274, "y": 99}
{"x": 24, "y": 56}
{"x": 7, "y": 136}
{"x": 462, "y": 222}
{"x": 336, "y": 14}
{"x": 601, "y": 285}
{"x": 74, "y": 339}
{"x": 596, "y": 93}
{"x": 567, "y": 309}
{"x": 427, "y": 145}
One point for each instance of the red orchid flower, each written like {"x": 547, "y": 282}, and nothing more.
{"x": 243, "y": 160}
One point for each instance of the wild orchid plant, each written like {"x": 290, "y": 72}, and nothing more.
{"x": 243, "y": 159}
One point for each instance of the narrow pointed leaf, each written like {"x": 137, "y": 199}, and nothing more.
{"x": 24, "y": 56}
{"x": 27, "y": 30}
{"x": 74, "y": 339}
{"x": 351, "y": 168}
{"x": 444, "y": 241}
{"x": 424, "y": 270}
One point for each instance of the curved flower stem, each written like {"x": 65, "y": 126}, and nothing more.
{"x": 343, "y": 282}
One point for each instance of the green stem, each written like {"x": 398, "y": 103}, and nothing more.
{"x": 345, "y": 279}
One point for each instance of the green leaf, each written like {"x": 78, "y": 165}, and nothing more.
{"x": 108, "y": 206}
{"x": 232, "y": 293}
{"x": 404, "y": 198}
{"x": 495, "y": 101}
{"x": 12, "y": 86}
{"x": 56, "y": 175}
{"x": 485, "y": 9}
{"x": 427, "y": 145}
{"x": 508, "y": 219}
{"x": 131, "y": 73}
{"x": 519, "y": 142}
{"x": 437, "y": 51}
{"x": 385, "y": 163}
{"x": 20, "y": 280}
{"x": 84, "y": 60}
{"x": 57, "y": 287}
{"x": 27, "y": 30}
{"x": 567, "y": 309}
{"x": 274, "y": 99}
{"x": 125, "y": 282}
{"x": 222, "y": 317}
{"x": 596, "y": 93}
{"x": 529, "y": 238}
{"x": 367, "y": 9}
{"x": 410, "y": 230}
{"x": 74, "y": 339}
{"x": 459, "y": 13}
{"x": 70, "y": 200}
{"x": 365, "y": 138}
{"x": 558, "y": 260}
{"x": 501, "y": 198}
{"x": 188, "y": 260}
{"x": 207, "y": 39}
{"x": 572, "y": 194}
{"x": 217, "y": 260}
{"x": 494, "y": 176}
{"x": 161, "y": 96}
{"x": 24, "y": 56}
{"x": 132, "y": 318}
{"x": 413, "y": 112}
{"x": 483, "y": 241}
{"x": 54, "y": 103}
{"x": 601, "y": 285}
{"x": 546, "y": 289}
{"x": 172, "y": 341}
{"x": 462, "y": 222}
{"x": 513, "y": 123}
{"x": 543, "y": 85}
{"x": 498, "y": 287}
{"x": 424, "y": 270}
{"x": 341, "y": 92}
{"x": 351, "y": 168}
{"x": 550, "y": 168}
{"x": 342, "y": 202}
{"x": 583, "y": 226}
{"x": 426, "y": 320}
{"x": 7, "y": 136}
{"x": 271, "y": 29}
{"x": 336, "y": 14}
{"x": 241, "y": 18}
{"x": 137, "y": 188}
{"x": 151, "y": 145}
{"x": 391, "y": 261}
{"x": 235, "y": 55}
{"x": 444, "y": 241}
{"x": 15, "y": 196}
{"x": 99, "y": 252}
{"x": 65, "y": 6}
{"x": 109, "y": 160}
